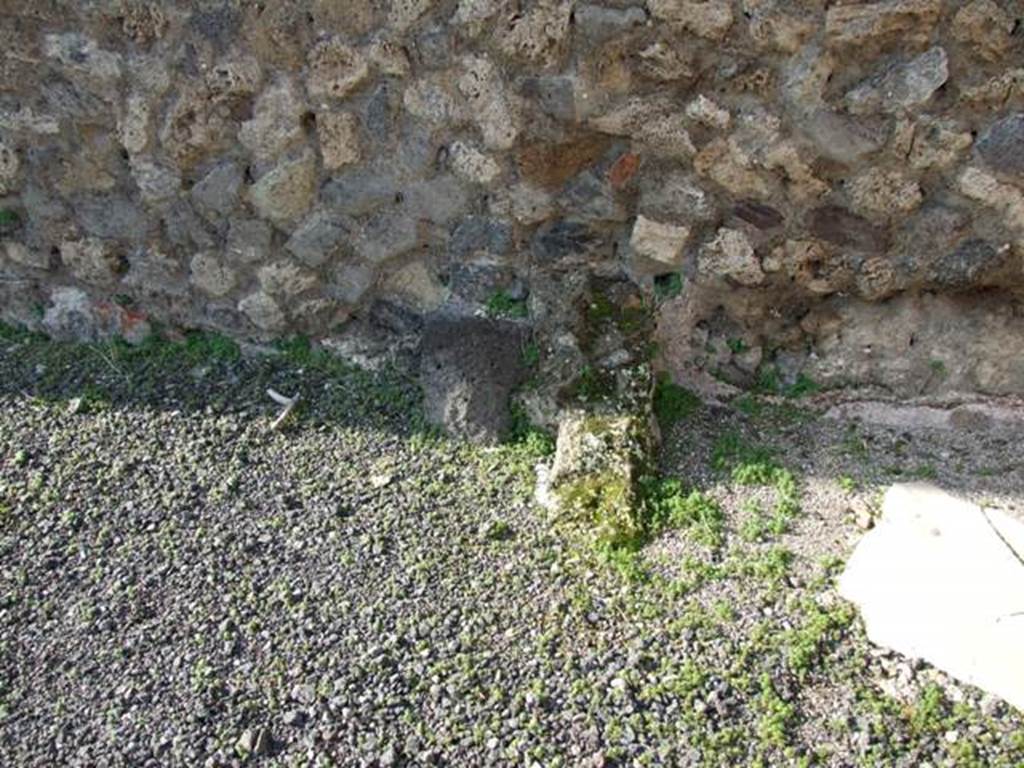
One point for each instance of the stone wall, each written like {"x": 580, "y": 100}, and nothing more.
{"x": 789, "y": 190}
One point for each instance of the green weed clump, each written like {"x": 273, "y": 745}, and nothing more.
{"x": 669, "y": 506}
{"x": 776, "y": 716}
{"x": 501, "y": 304}
{"x": 805, "y": 645}
{"x": 673, "y": 403}
{"x": 593, "y": 385}
{"x": 756, "y": 466}
{"x": 9, "y": 221}
{"x": 527, "y": 438}
{"x": 769, "y": 383}
{"x": 668, "y": 286}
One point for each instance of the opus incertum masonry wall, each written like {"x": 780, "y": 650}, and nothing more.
{"x": 791, "y": 187}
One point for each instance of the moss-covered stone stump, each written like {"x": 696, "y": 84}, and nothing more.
{"x": 592, "y": 487}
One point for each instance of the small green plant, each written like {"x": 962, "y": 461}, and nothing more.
{"x": 806, "y": 644}
{"x": 533, "y": 441}
{"x": 207, "y": 346}
{"x": 669, "y": 506}
{"x": 633, "y": 319}
{"x": 767, "y": 380}
{"x": 9, "y": 220}
{"x": 668, "y": 286}
{"x": 600, "y": 309}
{"x": 924, "y": 472}
{"x": 769, "y": 383}
{"x": 755, "y": 527}
{"x": 499, "y": 531}
{"x": 723, "y": 611}
{"x": 927, "y": 715}
{"x": 625, "y": 559}
{"x": 603, "y": 507}
{"x": 737, "y": 346}
{"x": 938, "y": 368}
{"x": 854, "y": 445}
{"x": 630, "y": 318}
{"x": 501, "y": 304}
{"x": 531, "y": 355}
{"x": 755, "y": 472}
{"x": 593, "y": 384}
{"x": 771, "y": 565}
{"x": 732, "y": 450}
{"x": 802, "y": 387}
{"x": 777, "y": 716}
{"x": 749, "y": 405}
{"x": 673, "y": 403}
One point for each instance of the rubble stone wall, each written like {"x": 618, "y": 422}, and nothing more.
{"x": 796, "y": 190}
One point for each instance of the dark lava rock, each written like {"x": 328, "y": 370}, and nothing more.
{"x": 554, "y": 95}
{"x": 360, "y": 191}
{"x": 1002, "y": 145}
{"x": 839, "y": 226}
{"x": 434, "y": 48}
{"x": 761, "y": 216}
{"x": 561, "y": 238}
{"x": 479, "y": 234}
{"x": 394, "y": 318}
{"x": 477, "y": 282}
{"x": 469, "y": 367}
{"x": 113, "y": 218}
{"x": 967, "y": 265}
{"x": 381, "y": 112}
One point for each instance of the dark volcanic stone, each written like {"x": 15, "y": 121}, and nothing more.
{"x": 478, "y": 234}
{"x": 113, "y": 218}
{"x": 554, "y": 95}
{"x": 839, "y": 226}
{"x": 971, "y": 261}
{"x": 479, "y": 281}
{"x": 1002, "y": 145}
{"x": 591, "y": 196}
{"x": 434, "y": 48}
{"x": 218, "y": 24}
{"x": 761, "y": 216}
{"x": 360, "y": 191}
{"x": 930, "y": 236}
{"x": 393, "y": 318}
{"x": 381, "y": 110}
{"x": 469, "y": 367}
{"x": 562, "y": 238}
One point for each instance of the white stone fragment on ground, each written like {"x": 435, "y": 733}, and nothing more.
{"x": 942, "y": 580}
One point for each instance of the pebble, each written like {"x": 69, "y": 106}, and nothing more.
{"x": 304, "y": 694}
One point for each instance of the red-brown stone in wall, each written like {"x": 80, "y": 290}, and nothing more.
{"x": 551, "y": 165}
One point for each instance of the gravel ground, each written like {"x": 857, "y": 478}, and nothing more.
{"x": 180, "y": 585}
